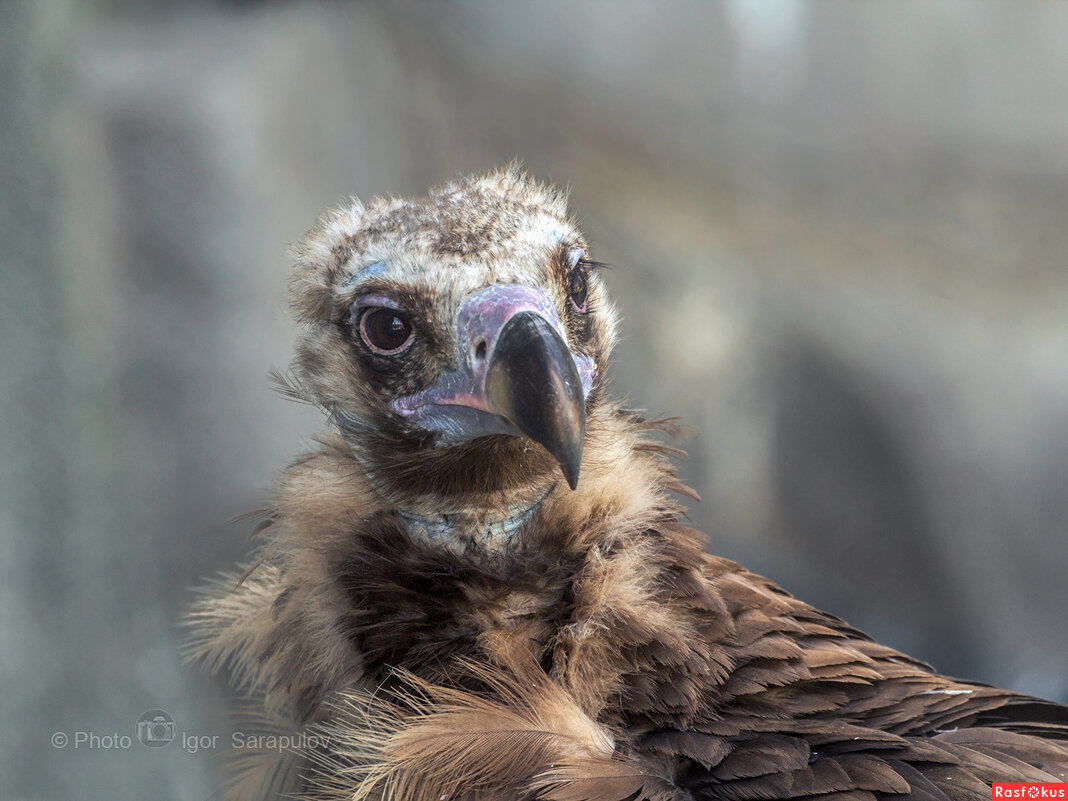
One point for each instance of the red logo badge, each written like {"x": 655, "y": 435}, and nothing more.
{"x": 1029, "y": 791}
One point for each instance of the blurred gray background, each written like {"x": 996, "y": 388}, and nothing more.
{"x": 839, "y": 233}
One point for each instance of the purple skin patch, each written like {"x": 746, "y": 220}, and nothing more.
{"x": 375, "y": 301}
{"x": 456, "y": 405}
{"x": 586, "y": 370}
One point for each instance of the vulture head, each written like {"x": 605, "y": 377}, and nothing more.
{"x": 459, "y": 339}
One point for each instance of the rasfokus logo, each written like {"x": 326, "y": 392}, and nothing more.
{"x": 1029, "y": 791}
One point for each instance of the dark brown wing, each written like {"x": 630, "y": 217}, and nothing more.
{"x": 809, "y": 707}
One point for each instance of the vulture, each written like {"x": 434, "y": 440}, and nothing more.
{"x": 480, "y": 585}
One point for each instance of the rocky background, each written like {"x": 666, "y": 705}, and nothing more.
{"x": 839, "y": 237}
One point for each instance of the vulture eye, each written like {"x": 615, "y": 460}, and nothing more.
{"x": 579, "y": 289}
{"x": 386, "y": 332}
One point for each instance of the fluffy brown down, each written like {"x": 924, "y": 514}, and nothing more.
{"x": 597, "y": 653}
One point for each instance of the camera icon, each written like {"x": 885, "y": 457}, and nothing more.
{"x": 155, "y": 728}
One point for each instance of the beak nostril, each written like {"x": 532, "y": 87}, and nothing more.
{"x": 480, "y": 350}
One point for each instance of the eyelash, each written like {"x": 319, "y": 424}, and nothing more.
{"x": 592, "y": 265}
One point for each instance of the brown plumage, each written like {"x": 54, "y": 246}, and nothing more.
{"x": 443, "y": 617}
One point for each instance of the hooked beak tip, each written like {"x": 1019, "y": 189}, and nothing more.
{"x": 571, "y": 473}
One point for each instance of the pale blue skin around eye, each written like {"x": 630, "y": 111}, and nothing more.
{"x": 370, "y": 271}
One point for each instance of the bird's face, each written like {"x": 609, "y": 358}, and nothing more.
{"x": 463, "y": 335}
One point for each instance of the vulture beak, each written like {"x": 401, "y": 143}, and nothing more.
{"x": 532, "y": 382}
{"x": 516, "y": 375}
